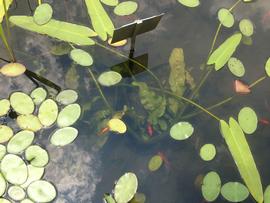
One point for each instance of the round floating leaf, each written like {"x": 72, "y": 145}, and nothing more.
{"x": 16, "y": 193}
{"x": 125, "y": 188}
{"x": 126, "y": 8}
{"x": 34, "y": 173}
{"x": 5, "y": 133}
{"x": 41, "y": 191}
{"x": 246, "y": 27}
{"x": 117, "y": 125}
{"x": 3, "y": 151}
{"x": 267, "y": 67}
{"x": 48, "y": 112}
{"x": 64, "y": 136}
{"x": 109, "y": 78}
{"x": 81, "y": 57}
{"x": 110, "y": 2}
{"x": 13, "y": 69}
{"x": 38, "y": 95}
{"x": 211, "y": 186}
{"x": 4, "y": 107}
{"x": 117, "y": 44}
{"x": 20, "y": 141}
{"x": 3, "y": 185}
{"x": 225, "y": 17}
{"x": 43, "y": 14}
{"x": 37, "y": 156}
{"x": 66, "y": 97}
{"x": 13, "y": 169}
{"x": 248, "y": 120}
{"x": 190, "y": 3}
{"x": 266, "y": 194}
{"x": 22, "y": 103}
{"x": 29, "y": 122}
{"x": 69, "y": 115}
{"x": 236, "y": 67}
{"x": 2, "y": 200}
{"x": 26, "y": 201}
{"x": 208, "y": 152}
{"x": 181, "y": 131}
{"x": 234, "y": 192}
{"x": 155, "y": 163}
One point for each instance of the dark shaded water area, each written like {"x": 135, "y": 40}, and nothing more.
{"x": 88, "y": 168}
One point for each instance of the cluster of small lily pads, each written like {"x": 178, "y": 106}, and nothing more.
{"x": 22, "y": 160}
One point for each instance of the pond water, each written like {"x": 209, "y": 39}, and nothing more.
{"x": 86, "y": 169}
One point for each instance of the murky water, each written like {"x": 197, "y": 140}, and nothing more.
{"x": 88, "y": 168}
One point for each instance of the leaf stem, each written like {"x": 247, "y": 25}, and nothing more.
{"x": 39, "y": 2}
{"x": 257, "y": 81}
{"x": 4, "y": 39}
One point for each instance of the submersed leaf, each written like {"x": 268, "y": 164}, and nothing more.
{"x": 222, "y": 54}
{"x": 69, "y": 115}
{"x": 236, "y": 67}
{"x": 109, "y": 78}
{"x": 239, "y": 148}
{"x": 60, "y": 49}
{"x": 267, "y": 67}
{"x": 181, "y": 130}
{"x": 41, "y": 191}
{"x": 29, "y": 122}
{"x": 125, "y": 188}
{"x": 37, "y": 156}
{"x": 22, "y": 103}
{"x": 211, "y": 186}
{"x": 81, "y": 57}
{"x": 66, "y": 97}
{"x": 3, "y": 185}
{"x": 38, "y": 95}
{"x": 4, "y": 106}
{"x": 208, "y": 152}
{"x": 248, "y": 120}
{"x": 110, "y": 2}
{"x": 2, "y": 8}
{"x": 246, "y": 27}
{"x": 155, "y": 163}
{"x": 48, "y": 112}
{"x": 100, "y": 20}
{"x": 16, "y": 193}
{"x": 5, "y": 133}
{"x": 20, "y": 142}
{"x": 189, "y": 3}
{"x": 64, "y": 31}
{"x": 13, "y": 69}
{"x": 126, "y": 8}
{"x": 234, "y": 192}
{"x": 225, "y": 17}
{"x": 43, "y": 14}
{"x": 64, "y": 136}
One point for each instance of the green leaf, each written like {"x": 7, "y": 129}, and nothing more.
{"x": 48, "y": 112}
{"x": 3, "y": 185}
{"x": 189, "y": 3}
{"x": 181, "y": 131}
{"x": 16, "y": 193}
{"x": 4, "y": 106}
{"x": 64, "y": 31}
{"x": 211, "y": 186}
{"x": 239, "y": 148}
{"x": 81, "y": 57}
{"x": 234, "y": 192}
{"x": 236, "y": 67}
{"x": 155, "y": 163}
{"x": 248, "y": 120}
{"x": 108, "y": 198}
{"x": 64, "y": 136}
{"x": 69, "y": 115}
{"x": 66, "y": 97}
{"x": 41, "y": 191}
{"x": 126, "y": 8}
{"x": 110, "y": 2}
{"x": 246, "y": 27}
{"x": 267, "y": 194}
{"x": 208, "y": 152}
{"x": 100, "y": 20}
{"x": 225, "y": 17}
{"x": 2, "y": 10}
{"x": 222, "y": 54}
{"x": 43, "y": 14}
{"x": 109, "y": 78}
{"x": 29, "y": 122}
{"x": 20, "y": 141}
{"x": 267, "y": 67}
{"x": 22, "y": 103}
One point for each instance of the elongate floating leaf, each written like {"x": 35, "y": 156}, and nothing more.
{"x": 246, "y": 27}
{"x": 211, "y": 186}
{"x": 48, "y": 112}
{"x": 234, "y": 192}
{"x": 64, "y": 136}
{"x": 208, "y": 152}
{"x": 34, "y": 173}
{"x": 225, "y": 17}
{"x": 3, "y": 151}
{"x": 69, "y": 115}
{"x": 117, "y": 125}
{"x": 223, "y": 53}
{"x": 41, "y": 191}
{"x": 16, "y": 193}
{"x": 5, "y": 133}
{"x": 2, "y": 10}
{"x": 38, "y": 95}
{"x": 4, "y": 106}
{"x": 236, "y": 67}
{"x": 3, "y": 185}
{"x": 29, "y": 122}
{"x": 125, "y": 188}
{"x": 109, "y": 78}
{"x": 155, "y": 163}
{"x": 126, "y": 8}
{"x": 66, "y": 97}
{"x": 81, "y": 57}
{"x": 248, "y": 120}
{"x": 267, "y": 67}
{"x": 43, "y": 14}
{"x": 13, "y": 69}
{"x": 181, "y": 131}
{"x": 267, "y": 194}
{"x": 37, "y": 156}
{"x": 20, "y": 141}
{"x": 22, "y": 103}
{"x": 110, "y": 2}
{"x": 189, "y": 3}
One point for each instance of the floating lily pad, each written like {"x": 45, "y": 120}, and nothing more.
{"x": 69, "y": 115}
{"x": 181, "y": 131}
{"x": 20, "y": 141}
{"x": 13, "y": 69}
{"x": 34, "y": 173}
{"x": 43, "y": 14}
{"x": 211, "y": 186}
{"x": 248, "y": 120}
{"x": 246, "y": 27}
{"x": 4, "y": 106}
{"x": 29, "y": 122}
{"x": 64, "y": 136}
{"x": 110, "y": 2}
{"x": 16, "y": 193}
{"x": 5, "y": 133}
{"x": 22, "y": 103}
{"x": 48, "y": 112}
{"x": 109, "y": 78}
{"x": 208, "y": 152}
{"x": 225, "y": 17}
{"x": 190, "y": 3}
{"x": 126, "y": 8}
{"x": 117, "y": 125}
{"x": 38, "y": 95}
{"x": 236, "y": 67}
{"x": 267, "y": 67}
{"x": 125, "y": 188}
{"x": 155, "y": 163}
{"x": 66, "y": 97}
{"x": 37, "y": 156}
{"x": 3, "y": 185}
{"x": 3, "y": 151}
{"x": 266, "y": 194}
{"x": 81, "y": 57}
{"x": 41, "y": 191}
{"x": 3, "y": 200}
{"x": 13, "y": 169}
{"x": 26, "y": 201}
{"x": 234, "y": 192}
{"x": 117, "y": 44}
